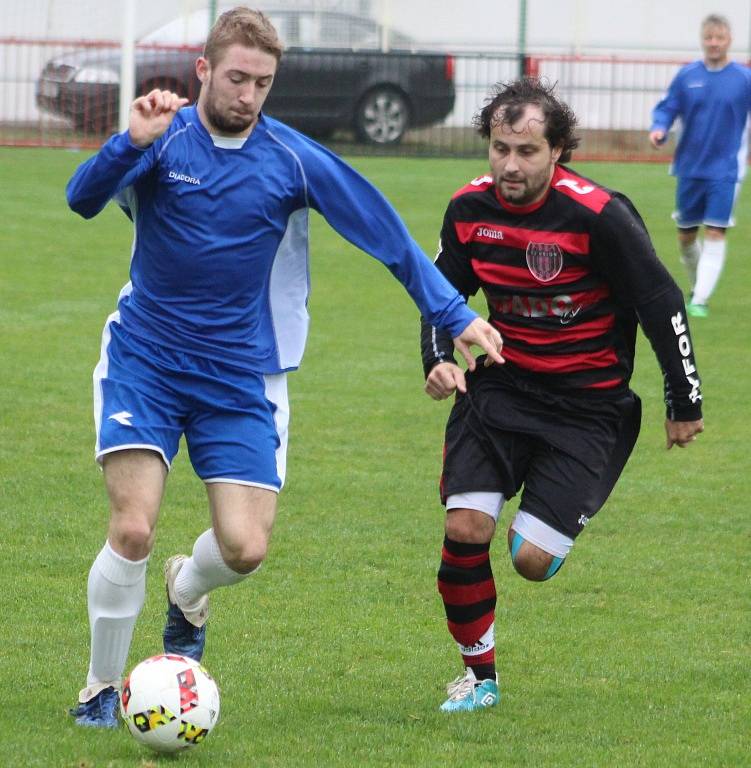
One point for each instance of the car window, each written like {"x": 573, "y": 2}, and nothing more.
{"x": 307, "y": 29}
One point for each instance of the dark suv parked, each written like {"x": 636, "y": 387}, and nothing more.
{"x": 377, "y": 94}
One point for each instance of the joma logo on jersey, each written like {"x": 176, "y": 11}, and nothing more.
{"x": 535, "y": 306}
{"x": 489, "y": 232}
{"x": 182, "y": 177}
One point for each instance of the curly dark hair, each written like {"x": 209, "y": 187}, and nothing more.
{"x": 509, "y": 100}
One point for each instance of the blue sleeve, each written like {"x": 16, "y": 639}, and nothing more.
{"x": 362, "y": 215}
{"x": 116, "y": 166}
{"x": 668, "y": 108}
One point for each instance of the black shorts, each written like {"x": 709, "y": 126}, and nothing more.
{"x": 567, "y": 451}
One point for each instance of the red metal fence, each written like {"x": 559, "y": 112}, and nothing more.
{"x": 64, "y": 93}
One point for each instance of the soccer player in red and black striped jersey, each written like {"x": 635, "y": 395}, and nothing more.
{"x": 568, "y": 271}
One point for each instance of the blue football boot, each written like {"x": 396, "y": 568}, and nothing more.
{"x": 100, "y": 711}
{"x": 185, "y": 631}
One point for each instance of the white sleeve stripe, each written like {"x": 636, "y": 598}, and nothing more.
{"x": 433, "y": 338}
{"x": 172, "y": 137}
{"x": 297, "y": 160}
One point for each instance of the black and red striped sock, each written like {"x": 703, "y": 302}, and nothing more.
{"x": 465, "y": 581}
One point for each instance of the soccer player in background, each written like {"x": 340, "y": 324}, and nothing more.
{"x": 711, "y": 98}
{"x": 213, "y": 318}
{"x": 568, "y": 271}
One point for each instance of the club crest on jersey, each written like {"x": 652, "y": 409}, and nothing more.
{"x": 545, "y": 261}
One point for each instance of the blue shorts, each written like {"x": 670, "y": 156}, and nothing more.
{"x": 702, "y": 201}
{"x": 234, "y": 421}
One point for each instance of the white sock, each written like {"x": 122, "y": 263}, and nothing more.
{"x": 708, "y": 273}
{"x": 690, "y": 253}
{"x": 203, "y": 571}
{"x": 116, "y": 593}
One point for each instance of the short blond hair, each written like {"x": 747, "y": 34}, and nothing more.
{"x": 242, "y": 26}
{"x": 715, "y": 20}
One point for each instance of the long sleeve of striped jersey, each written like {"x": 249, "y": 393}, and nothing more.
{"x": 436, "y": 345}
{"x": 624, "y": 252}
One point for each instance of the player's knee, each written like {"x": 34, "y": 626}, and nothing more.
{"x": 131, "y": 535}
{"x": 245, "y": 556}
{"x": 530, "y": 561}
{"x": 469, "y": 525}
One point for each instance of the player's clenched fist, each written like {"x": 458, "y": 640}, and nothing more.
{"x": 150, "y": 115}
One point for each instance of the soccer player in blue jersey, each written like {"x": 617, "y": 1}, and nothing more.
{"x": 211, "y": 321}
{"x": 712, "y": 99}
{"x": 568, "y": 272}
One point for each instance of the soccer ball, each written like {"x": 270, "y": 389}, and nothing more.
{"x": 170, "y": 702}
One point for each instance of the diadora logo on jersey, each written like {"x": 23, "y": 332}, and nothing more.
{"x": 123, "y": 417}
{"x": 573, "y": 185}
{"x": 480, "y": 180}
{"x": 183, "y": 177}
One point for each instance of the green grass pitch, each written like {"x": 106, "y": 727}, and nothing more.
{"x": 336, "y": 652}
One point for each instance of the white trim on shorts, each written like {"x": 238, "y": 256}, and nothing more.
{"x": 276, "y": 393}
{"x": 235, "y": 481}
{"x": 533, "y": 530}
{"x": 489, "y": 502}
{"x": 529, "y": 527}
{"x": 99, "y": 456}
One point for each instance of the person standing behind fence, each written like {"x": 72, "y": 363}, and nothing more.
{"x": 712, "y": 98}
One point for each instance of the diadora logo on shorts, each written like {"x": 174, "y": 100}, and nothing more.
{"x": 183, "y": 177}
{"x": 583, "y": 520}
{"x": 123, "y": 417}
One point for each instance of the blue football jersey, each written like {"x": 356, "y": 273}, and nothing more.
{"x": 220, "y": 255}
{"x": 713, "y": 108}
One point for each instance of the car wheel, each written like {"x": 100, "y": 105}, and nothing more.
{"x": 382, "y": 117}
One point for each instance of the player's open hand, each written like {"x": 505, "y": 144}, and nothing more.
{"x": 151, "y": 115}
{"x": 444, "y": 380}
{"x": 681, "y": 433}
{"x": 482, "y": 334}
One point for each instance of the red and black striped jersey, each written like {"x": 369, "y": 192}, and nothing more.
{"x": 567, "y": 280}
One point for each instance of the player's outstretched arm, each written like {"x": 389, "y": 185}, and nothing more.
{"x": 151, "y": 115}
{"x": 482, "y": 334}
{"x": 681, "y": 433}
